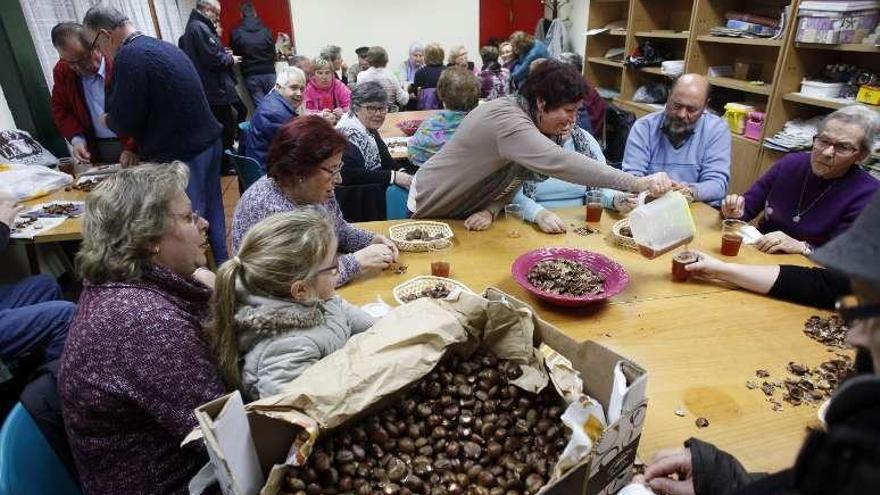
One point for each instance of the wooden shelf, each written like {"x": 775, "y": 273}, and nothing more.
{"x": 739, "y": 41}
{"x": 743, "y": 139}
{"x": 849, "y": 47}
{"x": 647, "y": 107}
{"x": 605, "y": 61}
{"x": 831, "y": 103}
{"x": 671, "y": 35}
{"x": 729, "y": 82}
{"x": 656, "y": 71}
{"x": 618, "y": 32}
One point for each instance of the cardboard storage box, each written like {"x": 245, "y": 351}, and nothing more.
{"x": 240, "y": 463}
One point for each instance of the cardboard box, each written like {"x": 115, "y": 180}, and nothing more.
{"x": 605, "y": 471}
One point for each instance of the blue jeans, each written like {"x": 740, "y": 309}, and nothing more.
{"x": 258, "y": 86}
{"x": 33, "y": 318}
{"x": 206, "y": 195}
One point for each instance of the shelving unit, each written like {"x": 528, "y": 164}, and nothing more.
{"x": 669, "y": 35}
{"x": 605, "y": 61}
{"x": 831, "y": 103}
{"x": 599, "y": 70}
{"x": 739, "y": 85}
{"x": 707, "y": 38}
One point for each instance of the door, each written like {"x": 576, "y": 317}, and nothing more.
{"x": 274, "y": 14}
{"x": 499, "y": 18}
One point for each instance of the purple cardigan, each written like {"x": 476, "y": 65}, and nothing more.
{"x": 777, "y": 192}
{"x": 133, "y": 370}
{"x": 265, "y": 198}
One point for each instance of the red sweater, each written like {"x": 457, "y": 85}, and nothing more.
{"x": 69, "y": 109}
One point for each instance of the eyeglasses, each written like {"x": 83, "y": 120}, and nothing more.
{"x": 95, "y": 41}
{"x": 333, "y": 269}
{"x": 375, "y": 108}
{"x": 821, "y": 143}
{"x": 192, "y": 218}
{"x": 337, "y": 172}
{"x": 851, "y": 308}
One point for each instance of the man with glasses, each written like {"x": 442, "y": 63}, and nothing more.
{"x": 809, "y": 198}
{"x": 156, "y": 96}
{"x": 80, "y": 77}
{"x": 683, "y": 140}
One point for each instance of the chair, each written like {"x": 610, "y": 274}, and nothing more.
{"x": 247, "y": 168}
{"x": 28, "y": 465}
{"x": 428, "y": 99}
{"x": 395, "y": 203}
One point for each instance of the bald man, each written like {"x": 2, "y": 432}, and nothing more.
{"x": 691, "y": 145}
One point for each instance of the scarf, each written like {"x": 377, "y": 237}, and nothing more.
{"x": 581, "y": 145}
{"x": 358, "y": 135}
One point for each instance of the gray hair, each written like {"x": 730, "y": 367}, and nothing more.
{"x": 572, "y": 58}
{"x": 860, "y": 116}
{"x": 103, "y": 16}
{"x": 284, "y": 76}
{"x": 331, "y": 52}
{"x": 368, "y": 92}
{"x": 203, "y": 4}
{"x": 64, "y": 32}
{"x": 298, "y": 59}
{"x": 416, "y": 47}
{"x": 125, "y": 217}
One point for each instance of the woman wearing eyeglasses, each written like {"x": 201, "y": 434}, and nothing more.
{"x": 809, "y": 198}
{"x": 840, "y": 459}
{"x": 366, "y": 159}
{"x": 135, "y": 366}
{"x": 303, "y": 169}
{"x": 275, "y": 308}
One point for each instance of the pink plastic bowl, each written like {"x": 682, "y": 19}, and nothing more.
{"x": 409, "y": 127}
{"x": 615, "y": 276}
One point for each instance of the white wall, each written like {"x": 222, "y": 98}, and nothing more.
{"x": 392, "y": 24}
{"x": 6, "y": 120}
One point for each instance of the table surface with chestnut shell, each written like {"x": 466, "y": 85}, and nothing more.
{"x": 390, "y": 129}
{"x": 699, "y": 341}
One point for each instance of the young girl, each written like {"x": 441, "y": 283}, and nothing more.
{"x": 275, "y": 312}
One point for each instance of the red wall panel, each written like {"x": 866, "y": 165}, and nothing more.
{"x": 274, "y": 13}
{"x": 499, "y": 18}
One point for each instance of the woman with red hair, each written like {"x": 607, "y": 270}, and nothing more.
{"x": 303, "y": 168}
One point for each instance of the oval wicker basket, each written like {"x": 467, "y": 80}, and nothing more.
{"x": 398, "y": 234}
{"x": 622, "y": 240}
{"x": 418, "y": 284}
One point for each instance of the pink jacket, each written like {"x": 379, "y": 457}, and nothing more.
{"x": 336, "y": 96}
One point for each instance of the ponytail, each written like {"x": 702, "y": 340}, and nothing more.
{"x": 221, "y": 334}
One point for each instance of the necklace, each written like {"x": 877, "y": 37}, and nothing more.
{"x": 798, "y": 212}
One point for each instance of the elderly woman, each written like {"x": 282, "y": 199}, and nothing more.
{"x": 506, "y": 141}
{"x": 333, "y": 53}
{"x": 459, "y": 90}
{"x": 505, "y": 55}
{"x": 427, "y": 76}
{"x": 377, "y": 57}
{"x": 279, "y": 107}
{"x": 135, "y": 365}
{"x": 458, "y": 57}
{"x": 325, "y": 93}
{"x": 406, "y": 72}
{"x": 493, "y": 77}
{"x": 809, "y": 198}
{"x": 526, "y": 49}
{"x": 304, "y": 168}
{"x": 366, "y": 159}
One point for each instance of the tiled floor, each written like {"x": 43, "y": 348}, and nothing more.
{"x": 230, "y": 199}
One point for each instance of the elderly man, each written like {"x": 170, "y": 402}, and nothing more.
{"x": 80, "y": 77}
{"x": 279, "y": 107}
{"x": 156, "y": 96}
{"x": 689, "y": 144}
{"x": 253, "y": 41}
{"x": 357, "y": 68}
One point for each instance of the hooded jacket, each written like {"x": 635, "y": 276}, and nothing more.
{"x": 202, "y": 45}
{"x": 253, "y": 41}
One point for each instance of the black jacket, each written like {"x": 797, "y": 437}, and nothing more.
{"x": 201, "y": 43}
{"x": 253, "y": 41}
{"x": 844, "y": 460}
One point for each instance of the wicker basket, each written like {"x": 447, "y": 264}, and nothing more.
{"x": 417, "y": 284}
{"x": 398, "y": 234}
{"x": 622, "y": 240}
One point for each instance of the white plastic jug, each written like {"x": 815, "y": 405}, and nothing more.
{"x": 662, "y": 225}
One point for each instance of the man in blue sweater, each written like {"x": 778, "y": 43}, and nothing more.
{"x": 156, "y": 96}
{"x": 691, "y": 145}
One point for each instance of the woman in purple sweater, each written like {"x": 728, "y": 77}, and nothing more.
{"x": 809, "y": 198}
{"x": 135, "y": 365}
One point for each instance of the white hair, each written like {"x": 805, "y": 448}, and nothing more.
{"x": 861, "y": 116}
{"x": 288, "y": 73}
{"x": 202, "y": 4}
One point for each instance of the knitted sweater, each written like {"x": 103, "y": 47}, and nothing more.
{"x": 156, "y": 97}
{"x": 281, "y": 339}
{"x": 133, "y": 370}
{"x": 265, "y": 198}
{"x": 397, "y": 96}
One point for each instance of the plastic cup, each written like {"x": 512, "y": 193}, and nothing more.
{"x": 679, "y": 262}
{"x": 594, "y": 206}
{"x": 731, "y": 236}
{"x": 441, "y": 257}
{"x": 514, "y": 220}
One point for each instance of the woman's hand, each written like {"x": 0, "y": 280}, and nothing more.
{"x": 656, "y": 184}
{"x": 8, "y": 211}
{"x": 666, "y": 463}
{"x": 374, "y": 256}
{"x": 381, "y": 239}
{"x": 329, "y": 116}
{"x": 733, "y": 206}
{"x": 705, "y": 266}
{"x": 625, "y": 202}
{"x": 780, "y": 242}
{"x": 337, "y": 112}
{"x": 549, "y": 222}
{"x": 480, "y": 220}
{"x": 402, "y": 179}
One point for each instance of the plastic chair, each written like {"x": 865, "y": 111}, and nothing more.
{"x": 247, "y": 168}
{"x": 28, "y": 465}
{"x": 395, "y": 203}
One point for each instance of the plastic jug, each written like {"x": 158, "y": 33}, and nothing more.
{"x": 661, "y": 225}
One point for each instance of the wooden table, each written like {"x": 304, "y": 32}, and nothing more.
{"x": 700, "y": 342}
{"x": 70, "y": 230}
{"x": 390, "y": 129}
